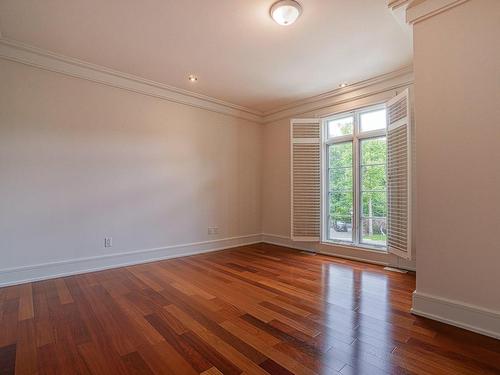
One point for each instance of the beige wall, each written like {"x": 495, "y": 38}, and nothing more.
{"x": 276, "y": 178}
{"x": 80, "y": 161}
{"x": 457, "y": 86}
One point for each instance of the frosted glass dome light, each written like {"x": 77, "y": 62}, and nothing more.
{"x": 286, "y": 12}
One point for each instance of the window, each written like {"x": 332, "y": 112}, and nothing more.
{"x": 356, "y": 181}
{"x": 341, "y": 126}
{"x": 351, "y": 177}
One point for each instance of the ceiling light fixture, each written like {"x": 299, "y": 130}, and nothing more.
{"x": 192, "y": 78}
{"x": 343, "y": 84}
{"x": 285, "y": 12}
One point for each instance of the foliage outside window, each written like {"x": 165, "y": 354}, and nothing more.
{"x": 356, "y": 153}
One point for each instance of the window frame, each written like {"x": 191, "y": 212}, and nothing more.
{"x": 356, "y": 137}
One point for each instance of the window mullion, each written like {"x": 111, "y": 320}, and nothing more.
{"x": 340, "y": 139}
{"x": 356, "y": 176}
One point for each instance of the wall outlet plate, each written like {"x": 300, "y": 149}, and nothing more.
{"x": 213, "y": 230}
{"x": 108, "y": 241}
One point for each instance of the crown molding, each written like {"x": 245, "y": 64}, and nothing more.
{"x": 385, "y": 82}
{"x": 40, "y": 58}
{"x": 429, "y": 8}
{"x": 394, "y": 4}
{"x": 22, "y": 53}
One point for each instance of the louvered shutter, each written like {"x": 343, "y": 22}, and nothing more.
{"x": 399, "y": 175}
{"x": 305, "y": 180}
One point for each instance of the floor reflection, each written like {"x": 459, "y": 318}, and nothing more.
{"x": 356, "y": 312}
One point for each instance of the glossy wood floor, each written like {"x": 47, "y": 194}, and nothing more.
{"x": 255, "y": 310}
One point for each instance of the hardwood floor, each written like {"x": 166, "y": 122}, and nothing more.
{"x": 255, "y": 310}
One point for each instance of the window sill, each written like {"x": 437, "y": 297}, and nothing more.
{"x": 373, "y": 249}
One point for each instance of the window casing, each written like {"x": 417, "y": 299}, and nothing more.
{"x": 355, "y": 178}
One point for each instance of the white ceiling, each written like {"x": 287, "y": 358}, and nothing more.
{"x": 240, "y": 55}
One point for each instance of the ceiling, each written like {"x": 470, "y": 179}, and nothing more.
{"x": 239, "y": 54}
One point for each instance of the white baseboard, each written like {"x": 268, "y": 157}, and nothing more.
{"x": 340, "y": 251}
{"x": 19, "y": 275}
{"x": 275, "y": 239}
{"x": 24, "y": 274}
{"x": 459, "y": 314}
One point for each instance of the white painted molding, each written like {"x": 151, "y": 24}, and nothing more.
{"x": 429, "y": 8}
{"x": 459, "y": 314}
{"x": 33, "y": 56}
{"x": 19, "y": 275}
{"x": 340, "y": 251}
{"x": 394, "y": 4}
{"x": 43, "y": 59}
{"x": 398, "y": 10}
{"x": 275, "y": 239}
{"x": 383, "y": 83}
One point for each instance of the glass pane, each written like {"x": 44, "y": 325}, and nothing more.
{"x": 340, "y": 204}
{"x": 341, "y": 179}
{"x": 340, "y": 228}
{"x": 374, "y": 151}
{"x": 340, "y": 155}
{"x": 374, "y": 120}
{"x": 373, "y": 177}
{"x": 340, "y": 186}
{"x": 374, "y": 204}
{"x": 374, "y": 231}
{"x": 339, "y": 127}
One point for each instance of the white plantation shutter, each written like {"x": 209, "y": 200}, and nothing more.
{"x": 305, "y": 179}
{"x": 399, "y": 175}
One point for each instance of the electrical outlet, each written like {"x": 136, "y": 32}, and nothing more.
{"x": 108, "y": 241}
{"x": 213, "y": 230}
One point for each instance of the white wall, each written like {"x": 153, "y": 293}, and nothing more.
{"x": 457, "y": 86}
{"x": 80, "y": 161}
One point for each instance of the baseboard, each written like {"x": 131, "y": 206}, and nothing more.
{"x": 275, "y": 239}
{"x": 345, "y": 252}
{"x": 19, "y": 275}
{"x": 459, "y": 314}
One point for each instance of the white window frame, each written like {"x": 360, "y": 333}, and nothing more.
{"x": 356, "y": 139}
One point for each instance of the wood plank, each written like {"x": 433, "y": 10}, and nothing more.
{"x": 216, "y": 343}
{"x": 212, "y": 371}
{"x": 26, "y": 353}
{"x": 179, "y": 343}
{"x": 279, "y": 357}
{"x": 25, "y": 302}
{"x": 63, "y": 292}
{"x": 221, "y": 362}
{"x": 136, "y": 365}
{"x": 8, "y": 324}
{"x": 8, "y": 359}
